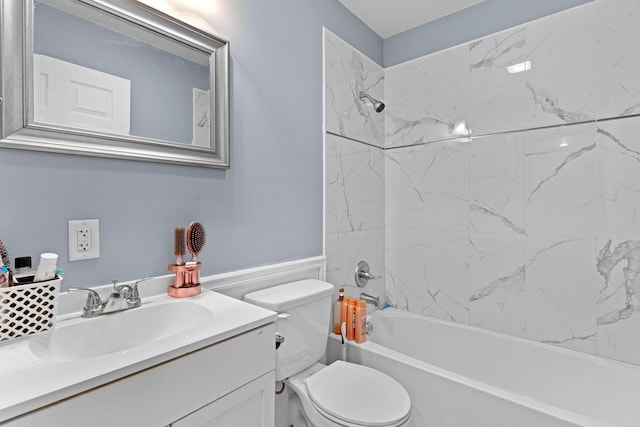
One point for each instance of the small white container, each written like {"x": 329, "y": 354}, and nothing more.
{"x": 46, "y": 267}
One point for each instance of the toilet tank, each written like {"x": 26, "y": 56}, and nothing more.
{"x": 304, "y": 310}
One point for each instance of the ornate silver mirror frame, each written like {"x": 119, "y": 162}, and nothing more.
{"x": 18, "y": 129}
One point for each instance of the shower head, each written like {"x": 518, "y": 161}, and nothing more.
{"x": 377, "y": 105}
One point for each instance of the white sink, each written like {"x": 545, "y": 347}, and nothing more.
{"x": 122, "y": 331}
{"x": 80, "y": 354}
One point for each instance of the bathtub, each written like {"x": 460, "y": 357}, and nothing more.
{"x": 460, "y": 376}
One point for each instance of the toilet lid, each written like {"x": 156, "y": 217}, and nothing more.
{"x": 359, "y": 395}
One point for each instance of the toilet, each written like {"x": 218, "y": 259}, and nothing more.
{"x": 341, "y": 394}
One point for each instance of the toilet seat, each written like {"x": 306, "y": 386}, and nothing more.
{"x": 358, "y": 396}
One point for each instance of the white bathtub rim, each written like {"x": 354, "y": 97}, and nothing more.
{"x": 516, "y": 398}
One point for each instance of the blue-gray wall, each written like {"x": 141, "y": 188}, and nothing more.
{"x": 267, "y": 208}
{"x": 468, "y": 24}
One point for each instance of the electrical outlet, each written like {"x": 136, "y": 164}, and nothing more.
{"x": 84, "y": 239}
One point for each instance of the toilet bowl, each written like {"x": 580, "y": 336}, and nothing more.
{"x": 349, "y": 395}
{"x": 338, "y": 395}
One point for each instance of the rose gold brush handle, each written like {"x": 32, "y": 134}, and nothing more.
{"x": 179, "y": 278}
{"x": 192, "y": 273}
{"x": 188, "y": 279}
{"x": 180, "y": 273}
{"x": 195, "y": 274}
{"x": 179, "y": 251}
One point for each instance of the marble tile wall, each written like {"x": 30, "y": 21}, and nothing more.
{"x": 530, "y": 227}
{"x": 354, "y": 167}
{"x": 581, "y": 69}
{"x": 347, "y": 73}
{"x": 355, "y": 201}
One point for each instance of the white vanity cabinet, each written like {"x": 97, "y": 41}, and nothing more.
{"x": 229, "y": 383}
{"x": 251, "y": 405}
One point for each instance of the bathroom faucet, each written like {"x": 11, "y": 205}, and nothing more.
{"x": 123, "y": 297}
{"x": 370, "y": 299}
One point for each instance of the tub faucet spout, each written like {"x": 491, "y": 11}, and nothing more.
{"x": 370, "y": 299}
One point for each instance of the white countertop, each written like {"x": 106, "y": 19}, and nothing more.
{"x": 28, "y": 382}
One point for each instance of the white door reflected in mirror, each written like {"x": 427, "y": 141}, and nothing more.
{"x": 67, "y": 94}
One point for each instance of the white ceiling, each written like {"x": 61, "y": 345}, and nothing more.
{"x": 390, "y": 17}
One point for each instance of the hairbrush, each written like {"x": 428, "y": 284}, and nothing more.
{"x": 195, "y": 243}
{"x": 195, "y": 239}
{"x": 178, "y": 245}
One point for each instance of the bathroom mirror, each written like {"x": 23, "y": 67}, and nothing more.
{"x": 112, "y": 78}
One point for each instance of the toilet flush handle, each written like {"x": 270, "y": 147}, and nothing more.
{"x": 279, "y": 336}
{"x": 279, "y": 340}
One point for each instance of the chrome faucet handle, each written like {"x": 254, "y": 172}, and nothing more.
{"x": 136, "y": 294}
{"x": 366, "y": 275}
{"x": 363, "y": 275}
{"x": 93, "y": 305}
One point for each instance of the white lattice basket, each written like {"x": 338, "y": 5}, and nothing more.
{"x": 28, "y": 309}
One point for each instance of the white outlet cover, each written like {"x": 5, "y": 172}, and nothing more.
{"x": 93, "y": 225}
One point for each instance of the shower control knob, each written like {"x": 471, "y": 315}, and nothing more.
{"x": 363, "y": 274}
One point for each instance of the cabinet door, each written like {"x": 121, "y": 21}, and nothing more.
{"x": 250, "y": 405}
